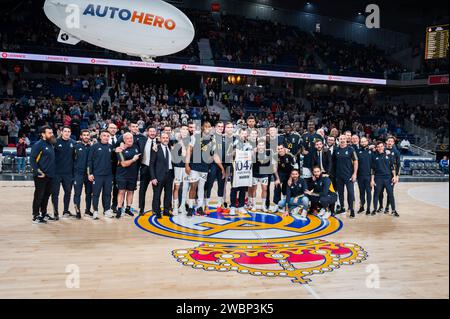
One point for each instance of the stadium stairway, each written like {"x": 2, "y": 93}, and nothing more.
{"x": 206, "y": 55}
{"x": 221, "y": 109}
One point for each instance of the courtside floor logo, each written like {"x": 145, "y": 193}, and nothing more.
{"x": 251, "y": 228}
{"x": 295, "y": 261}
{"x": 257, "y": 243}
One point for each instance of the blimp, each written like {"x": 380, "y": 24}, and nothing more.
{"x": 142, "y": 28}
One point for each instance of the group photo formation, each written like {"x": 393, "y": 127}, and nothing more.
{"x": 224, "y": 150}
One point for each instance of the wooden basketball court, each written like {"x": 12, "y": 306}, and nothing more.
{"x": 394, "y": 258}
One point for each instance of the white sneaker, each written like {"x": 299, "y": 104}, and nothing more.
{"x": 242, "y": 210}
{"x": 95, "y": 215}
{"x": 322, "y": 212}
{"x": 109, "y": 214}
{"x": 232, "y": 211}
{"x": 182, "y": 210}
{"x": 274, "y": 209}
{"x": 295, "y": 211}
{"x": 305, "y": 214}
{"x": 175, "y": 212}
{"x": 326, "y": 215}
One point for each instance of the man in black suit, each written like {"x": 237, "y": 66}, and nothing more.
{"x": 162, "y": 175}
{"x": 322, "y": 158}
{"x": 113, "y": 141}
{"x": 147, "y": 146}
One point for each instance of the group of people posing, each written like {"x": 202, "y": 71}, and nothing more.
{"x": 311, "y": 174}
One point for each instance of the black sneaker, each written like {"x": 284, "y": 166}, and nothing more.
{"x": 368, "y": 212}
{"x": 141, "y": 213}
{"x": 39, "y": 220}
{"x": 341, "y": 211}
{"x": 167, "y": 214}
{"x": 361, "y": 210}
{"x": 128, "y": 212}
{"x": 395, "y": 214}
{"x": 373, "y": 213}
{"x": 158, "y": 216}
{"x": 56, "y": 217}
{"x": 88, "y": 213}
{"x": 190, "y": 212}
{"x": 352, "y": 214}
{"x": 379, "y": 210}
{"x": 200, "y": 211}
{"x": 386, "y": 211}
{"x": 68, "y": 215}
{"x": 118, "y": 213}
{"x": 48, "y": 218}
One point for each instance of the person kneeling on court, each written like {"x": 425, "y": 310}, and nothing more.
{"x": 322, "y": 193}
{"x": 127, "y": 173}
{"x": 296, "y": 199}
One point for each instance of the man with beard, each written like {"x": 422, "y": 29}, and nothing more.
{"x": 322, "y": 194}
{"x": 364, "y": 170}
{"x": 64, "y": 159}
{"x": 146, "y": 150}
{"x": 42, "y": 161}
{"x": 322, "y": 158}
{"x": 80, "y": 174}
{"x": 200, "y": 155}
{"x": 113, "y": 141}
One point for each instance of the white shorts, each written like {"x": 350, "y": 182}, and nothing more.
{"x": 180, "y": 175}
{"x": 260, "y": 180}
{"x": 195, "y": 176}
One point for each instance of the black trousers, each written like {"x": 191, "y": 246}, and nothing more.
{"x": 79, "y": 182}
{"x": 365, "y": 191}
{"x": 383, "y": 183}
{"x": 102, "y": 185}
{"x": 43, "y": 190}
{"x": 145, "y": 181}
{"x": 165, "y": 186}
{"x": 115, "y": 192}
{"x": 215, "y": 174}
{"x": 67, "y": 183}
{"x": 340, "y": 183}
{"x": 326, "y": 202}
{"x": 280, "y": 189}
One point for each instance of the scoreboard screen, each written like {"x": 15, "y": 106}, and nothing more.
{"x": 436, "y": 46}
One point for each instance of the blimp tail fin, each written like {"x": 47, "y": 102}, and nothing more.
{"x": 67, "y": 38}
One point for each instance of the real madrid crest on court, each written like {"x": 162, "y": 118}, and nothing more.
{"x": 254, "y": 227}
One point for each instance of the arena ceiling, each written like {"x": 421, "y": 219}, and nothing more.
{"x": 408, "y": 16}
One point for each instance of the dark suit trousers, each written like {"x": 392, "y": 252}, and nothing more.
{"x": 165, "y": 185}
{"x": 145, "y": 181}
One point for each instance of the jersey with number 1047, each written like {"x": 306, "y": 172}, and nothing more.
{"x": 202, "y": 156}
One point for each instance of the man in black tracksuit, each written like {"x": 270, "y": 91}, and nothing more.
{"x": 345, "y": 161}
{"x": 64, "y": 157}
{"x": 80, "y": 174}
{"x": 322, "y": 194}
{"x": 364, "y": 171}
{"x": 100, "y": 174}
{"x": 42, "y": 161}
{"x": 383, "y": 177}
{"x": 391, "y": 149}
